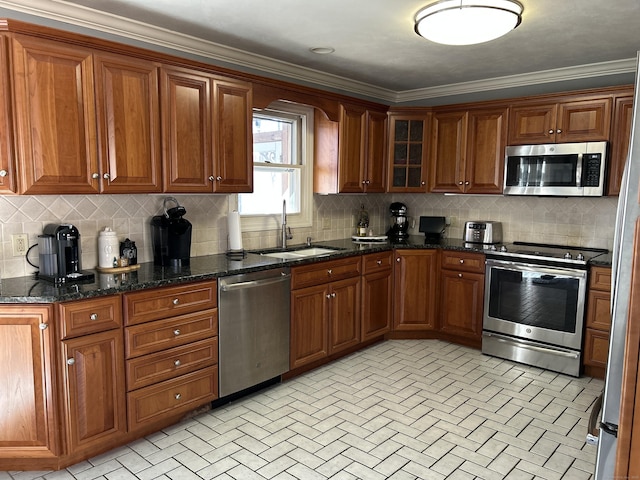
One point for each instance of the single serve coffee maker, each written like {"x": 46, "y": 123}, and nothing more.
{"x": 171, "y": 236}
{"x": 59, "y": 255}
{"x": 399, "y": 221}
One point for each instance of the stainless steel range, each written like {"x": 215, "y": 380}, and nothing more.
{"x": 534, "y": 304}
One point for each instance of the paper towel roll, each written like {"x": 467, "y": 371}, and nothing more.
{"x": 235, "y": 235}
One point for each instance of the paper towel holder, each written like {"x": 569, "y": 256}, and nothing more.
{"x": 234, "y": 253}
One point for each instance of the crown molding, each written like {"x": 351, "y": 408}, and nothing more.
{"x": 124, "y": 28}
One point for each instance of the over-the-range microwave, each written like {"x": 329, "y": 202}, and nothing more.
{"x": 559, "y": 169}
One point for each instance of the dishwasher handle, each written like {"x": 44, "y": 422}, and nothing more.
{"x": 254, "y": 283}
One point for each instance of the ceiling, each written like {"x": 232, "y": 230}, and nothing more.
{"x": 560, "y": 45}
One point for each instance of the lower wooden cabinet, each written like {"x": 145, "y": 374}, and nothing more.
{"x": 461, "y": 303}
{"x": 377, "y": 295}
{"x": 597, "y": 322}
{"x": 415, "y": 289}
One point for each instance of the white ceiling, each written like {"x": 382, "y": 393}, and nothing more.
{"x": 559, "y": 45}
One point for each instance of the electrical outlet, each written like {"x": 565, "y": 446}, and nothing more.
{"x": 20, "y": 243}
{"x": 326, "y": 223}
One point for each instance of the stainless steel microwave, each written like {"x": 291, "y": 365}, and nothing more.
{"x": 559, "y": 169}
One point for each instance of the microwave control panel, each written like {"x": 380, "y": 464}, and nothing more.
{"x": 591, "y": 169}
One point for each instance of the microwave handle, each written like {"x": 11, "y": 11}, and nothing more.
{"x": 579, "y": 171}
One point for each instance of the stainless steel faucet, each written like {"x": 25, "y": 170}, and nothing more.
{"x": 286, "y": 232}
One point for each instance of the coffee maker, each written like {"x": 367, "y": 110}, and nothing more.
{"x": 399, "y": 221}
{"x": 60, "y": 255}
{"x": 171, "y": 236}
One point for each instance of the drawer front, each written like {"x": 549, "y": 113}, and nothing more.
{"x": 375, "y": 262}
{"x": 600, "y": 278}
{"x": 596, "y": 348}
{"x": 463, "y": 261}
{"x": 169, "y": 333}
{"x": 172, "y": 397}
{"x": 323, "y": 272}
{"x": 157, "y": 303}
{"x": 160, "y": 366}
{"x": 83, "y": 317}
{"x": 599, "y": 310}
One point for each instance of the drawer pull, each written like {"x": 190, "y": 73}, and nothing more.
{"x": 176, "y": 301}
{"x": 93, "y": 316}
{"x": 178, "y": 396}
{"x": 71, "y": 361}
{"x": 176, "y": 332}
{"x": 459, "y": 275}
{"x": 379, "y": 262}
{"x": 177, "y": 363}
{"x": 329, "y": 271}
{"x": 461, "y": 261}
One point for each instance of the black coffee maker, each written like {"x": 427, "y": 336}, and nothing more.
{"x": 171, "y": 236}
{"x": 399, "y": 221}
{"x": 59, "y": 255}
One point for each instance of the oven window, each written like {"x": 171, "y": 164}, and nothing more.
{"x": 536, "y": 299}
{"x": 542, "y": 171}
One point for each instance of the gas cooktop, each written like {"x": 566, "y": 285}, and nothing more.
{"x": 546, "y": 252}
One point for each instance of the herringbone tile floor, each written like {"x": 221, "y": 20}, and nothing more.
{"x": 402, "y": 409}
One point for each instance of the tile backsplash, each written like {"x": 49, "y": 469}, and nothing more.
{"x": 565, "y": 221}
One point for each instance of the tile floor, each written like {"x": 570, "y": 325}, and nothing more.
{"x": 402, "y": 409}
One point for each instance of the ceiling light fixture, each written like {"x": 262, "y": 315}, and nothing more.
{"x": 466, "y": 22}
{"x": 322, "y": 50}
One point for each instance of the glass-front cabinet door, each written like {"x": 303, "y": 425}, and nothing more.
{"x": 408, "y": 149}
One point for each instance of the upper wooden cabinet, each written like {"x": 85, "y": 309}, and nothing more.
{"x": 8, "y": 183}
{"x": 128, "y": 124}
{"x": 580, "y": 120}
{"x": 408, "y": 149}
{"x": 350, "y": 153}
{"x": 467, "y": 150}
{"x": 55, "y": 118}
{"x": 620, "y": 138}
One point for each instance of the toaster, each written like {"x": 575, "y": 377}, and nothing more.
{"x": 481, "y": 231}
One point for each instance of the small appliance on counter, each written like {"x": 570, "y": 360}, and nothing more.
{"x": 171, "y": 236}
{"x": 60, "y": 255}
{"x": 399, "y": 221}
{"x": 483, "y": 231}
{"x": 433, "y": 228}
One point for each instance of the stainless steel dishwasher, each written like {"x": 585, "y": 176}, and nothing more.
{"x": 253, "y": 328}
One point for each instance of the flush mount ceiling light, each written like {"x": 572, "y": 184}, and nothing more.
{"x": 465, "y": 22}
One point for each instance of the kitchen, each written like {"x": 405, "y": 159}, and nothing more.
{"x": 340, "y": 211}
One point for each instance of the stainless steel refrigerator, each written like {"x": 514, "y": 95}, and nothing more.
{"x": 626, "y": 217}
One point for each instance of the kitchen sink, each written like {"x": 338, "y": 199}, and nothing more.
{"x": 299, "y": 253}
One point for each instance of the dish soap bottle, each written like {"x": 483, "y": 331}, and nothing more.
{"x": 363, "y": 222}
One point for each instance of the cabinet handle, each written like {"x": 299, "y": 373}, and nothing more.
{"x": 218, "y": 178}
{"x": 333, "y": 295}
{"x": 459, "y": 275}
{"x": 3, "y": 173}
{"x": 364, "y": 182}
{"x": 328, "y": 296}
{"x": 43, "y": 326}
{"x": 178, "y": 396}
{"x": 71, "y": 361}
{"x": 106, "y": 176}
{"x": 423, "y": 183}
{"x": 559, "y": 131}
{"x": 93, "y": 316}
{"x": 368, "y": 182}
{"x": 379, "y": 262}
{"x": 329, "y": 272}
{"x": 460, "y": 183}
{"x": 176, "y": 301}
{"x": 95, "y": 176}
{"x": 461, "y": 260}
{"x": 551, "y": 132}
{"x": 177, "y": 363}
{"x": 398, "y": 259}
{"x": 211, "y": 178}
{"x": 176, "y": 332}
{"x": 466, "y": 183}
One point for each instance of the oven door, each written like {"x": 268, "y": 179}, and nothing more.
{"x": 535, "y": 302}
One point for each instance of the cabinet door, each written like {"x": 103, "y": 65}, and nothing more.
{"x": 596, "y": 348}
{"x": 376, "y": 166}
{"x": 93, "y": 373}
{"x": 344, "y": 314}
{"x": 599, "y": 310}
{"x": 461, "y": 302}
{"x": 233, "y": 140}
{"x": 620, "y": 137}
{"x": 28, "y": 422}
{"x": 55, "y": 117}
{"x": 186, "y": 131}
{"x": 532, "y": 124}
{"x": 408, "y": 151}
{"x": 351, "y": 145}
{"x": 8, "y": 183}
{"x": 415, "y": 290}
{"x": 309, "y": 325}
{"x": 377, "y": 291}
{"x": 128, "y": 124}
{"x": 486, "y": 142}
{"x": 584, "y": 121}
{"x": 448, "y": 140}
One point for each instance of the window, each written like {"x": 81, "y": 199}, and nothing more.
{"x": 282, "y": 168}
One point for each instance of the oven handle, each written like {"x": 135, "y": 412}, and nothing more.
{"x": 529, "y": 346}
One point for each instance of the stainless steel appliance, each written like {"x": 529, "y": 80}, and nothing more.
{"x": 253, "y": 324}
{"x": 627, "y": 215}
{"x": 483, "y": 231}
{"x": 171, "y": 236}
{"x": 534, "y": 304}
{"x": 563, "y": 169}
{"x": 60, "y": 255}
{"x": 399, "y": 221}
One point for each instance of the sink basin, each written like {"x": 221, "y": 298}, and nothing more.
{"x": 302, "y": 253}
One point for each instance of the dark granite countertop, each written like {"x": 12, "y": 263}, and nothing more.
{"x": 29, "y": 289}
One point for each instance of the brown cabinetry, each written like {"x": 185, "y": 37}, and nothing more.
{"x": 462, "y": 295}
{"x": 171, "y": 351}
{"x": 28, "y": 423}
{"x": 8, "y": 181}
{"x": 350, "y": 153}
{"x": 597, "y": 322}
{"x": 467, "y": 150}
{"x": 415, "y": 289}
{"x": 325, "y": 309}
{"x": 565, "y": 120}
{"x": 620, "y": 139}
{"x": 377, "y": 291}
{"x": 408, "y": 151}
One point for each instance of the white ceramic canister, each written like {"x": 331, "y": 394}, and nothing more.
{"x": 108, "y": 248}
